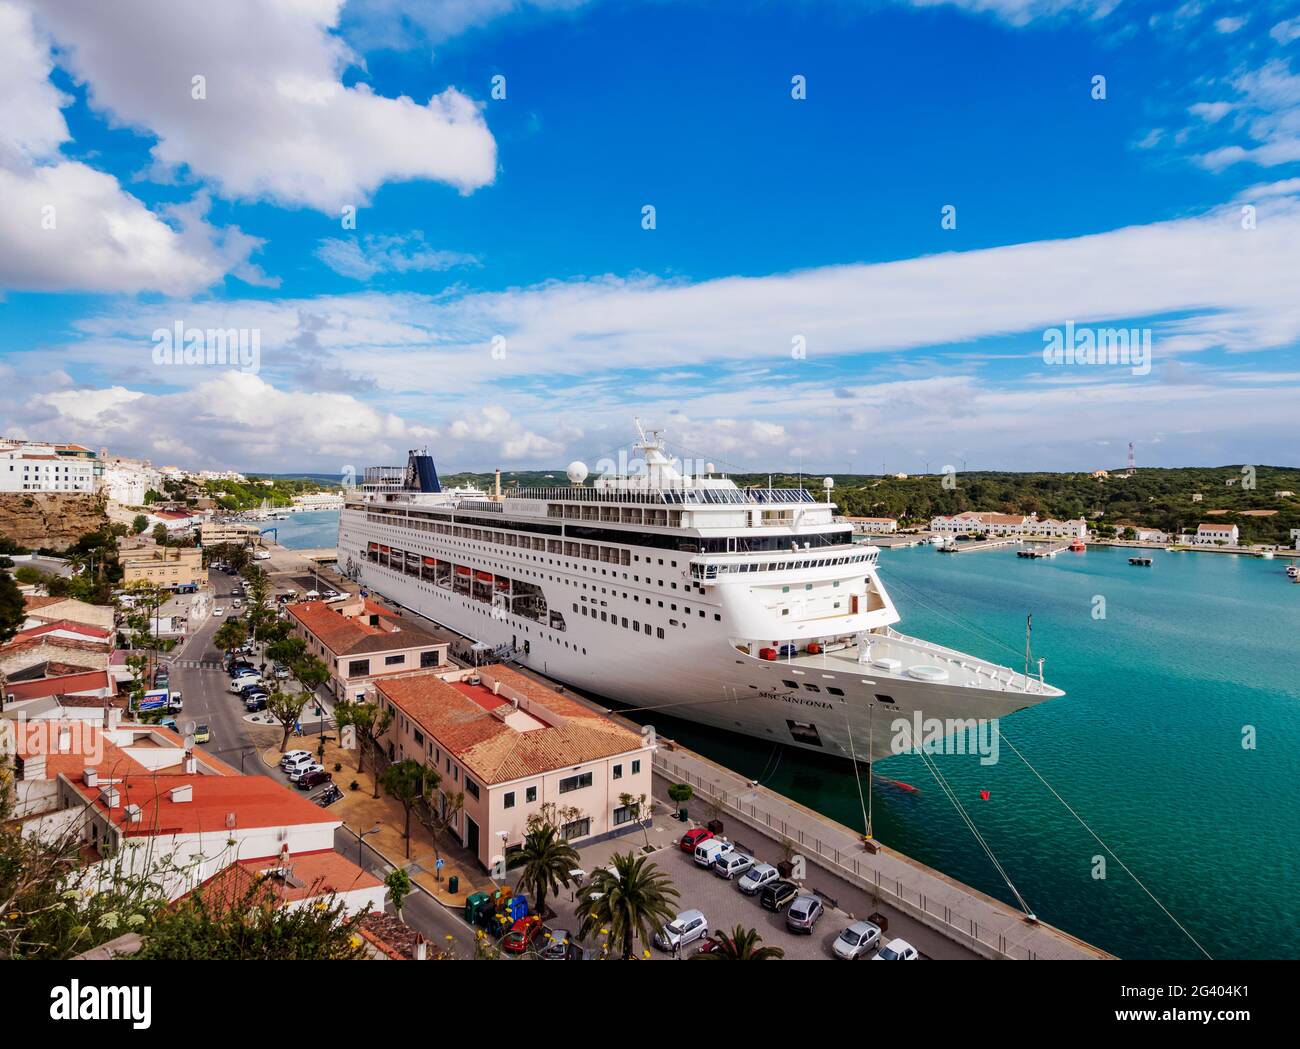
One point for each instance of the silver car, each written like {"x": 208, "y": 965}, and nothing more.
{"x": 686, "y": 928}
{"x": 803, "y": 913}
{"x": 732, "y": 864}
{"x": 752, "y": 881}
{"x": 857, "y": 941}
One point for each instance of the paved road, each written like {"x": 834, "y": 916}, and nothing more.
{"x": 430, "y": 918}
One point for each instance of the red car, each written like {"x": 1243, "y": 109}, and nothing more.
{"x": 693, "y": 837}
{"x": 522, "y": 934}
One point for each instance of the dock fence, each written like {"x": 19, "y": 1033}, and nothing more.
{"x": 939, "y": 916}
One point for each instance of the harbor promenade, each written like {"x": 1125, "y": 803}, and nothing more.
{"x": 964, "y": 915}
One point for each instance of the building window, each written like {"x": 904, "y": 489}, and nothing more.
{"x": 622, "y": 814}
{"x": 392, "y": 661}
{"x": 358, "y": 667}
{"x": 577, "y": 782}
{"x": 577, "y": 829}
{"x": 429, "y": 659}
{"x": 509, "y": 800}
{"x": 636, "y": 766}
{"x": 530, "y": 795}
{"x": 618, "y": 771}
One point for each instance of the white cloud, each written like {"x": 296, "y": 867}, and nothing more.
{"x": 1286, "y": 32}
{"x": 373, "y": 254}
{"x": 1228, "y": 25}
{"x": 1270, "y": 98}
{"x": 1211, "y": 112}
{"x": 277, "y": 123}
{"x": 66, "y": 226}
{"x": 228, "y": 418}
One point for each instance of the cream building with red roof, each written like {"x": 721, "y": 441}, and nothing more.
{"x": 513, "y": 746}
{"x": 362, "y": 642}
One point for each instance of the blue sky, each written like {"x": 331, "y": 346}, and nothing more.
{"x": 798, "y": 302}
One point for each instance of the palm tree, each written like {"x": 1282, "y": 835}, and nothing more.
{"x": 740, "y": 945}
{"x": 631, "y": 899}
{"x": 548, "y": 858}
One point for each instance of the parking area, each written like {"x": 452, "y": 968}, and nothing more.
{"x": 722, "y": 903}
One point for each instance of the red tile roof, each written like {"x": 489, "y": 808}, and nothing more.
{"x": 465, "y": 725}
{"x": 62, "y": 685}
{"x": 353, "y": 635}
{"x": 311, "y": 874}
{"x": 66, "y": 626}
{"x": 255, "y": 800}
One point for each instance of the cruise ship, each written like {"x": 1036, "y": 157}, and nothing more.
{"x": 748, "y": 609}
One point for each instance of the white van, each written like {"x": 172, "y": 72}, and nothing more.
{"x": 709, "y": 850}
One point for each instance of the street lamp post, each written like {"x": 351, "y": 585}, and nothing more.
{"x": 362, "y": 837}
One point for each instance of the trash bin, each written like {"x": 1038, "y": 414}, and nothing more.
{"x": 453, "y": 884}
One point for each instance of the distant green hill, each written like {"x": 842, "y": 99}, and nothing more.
{"x": 1153, "y": 497}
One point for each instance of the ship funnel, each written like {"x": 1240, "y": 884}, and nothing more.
{"x": 421, "y": 475}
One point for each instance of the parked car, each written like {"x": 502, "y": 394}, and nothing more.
{"x": 732, "y": 864}
{"x": 237, "y": 603}
{"x": 858, "y": 940}
{"x": 777, "y": 894}
{"x": 523, "y": 934}
{"x": 244, "y": 684}
{"x": 557, "y": 946}
{"x": 686, "y": 928}
{"x": 174, "y": 702}
{"x": 297, "y": 773}
{"x": 896, "y": 951}
{"x": 218, "y": 612}
{"x": 202, "y": 734}
{"x": 328, "y": 796}
{"x": 311, "y": 779}
{"x": 292, "y": 756}
{"x": 281, "y": 672}
{"x": 295, "y": 764}
{"x": 708, "y": 851}
{"x": 693, "y": 837}
{"x": 803, "y": 913}
{"x": 255, "y": 703}
{"x": 234, "y": 666}
{"x": 751, "y": 883}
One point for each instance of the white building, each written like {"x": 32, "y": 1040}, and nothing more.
{"x": 1216, "y": 535}
{"x": 29, "y": 467}
{"x": 970, "y": 521}
{"x": 1295, "y": 534}
{"x": 872, "y": 525}
{"x": 127, "y": 480}
{"x": 1073, "y": 529}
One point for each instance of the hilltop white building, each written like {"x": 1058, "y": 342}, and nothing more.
{"x": 27, "y": 466}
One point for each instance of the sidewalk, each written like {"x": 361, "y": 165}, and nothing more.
{"x": 960, "y": 913}
{"x": 361, "y": 812}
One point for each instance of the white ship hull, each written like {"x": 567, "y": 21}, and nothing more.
{"x": 845, "y": 703}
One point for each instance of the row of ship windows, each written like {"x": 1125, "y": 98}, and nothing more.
{"x": 670, "y": 585}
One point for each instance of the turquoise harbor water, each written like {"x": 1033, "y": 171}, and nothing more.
{"x": 1146, "y": 746}
{"x": 309, "y": 530}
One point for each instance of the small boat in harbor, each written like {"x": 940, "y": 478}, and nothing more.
{"x": 1145, "y": 561}
{"x": 1078, "y": 546}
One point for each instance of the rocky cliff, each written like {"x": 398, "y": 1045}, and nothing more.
{"x": 49, "y": 519}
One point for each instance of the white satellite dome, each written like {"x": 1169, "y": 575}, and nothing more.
{"x": 577, "y": 471}
{"x": 828, "y": 483}
{"x": 708, "y": 468}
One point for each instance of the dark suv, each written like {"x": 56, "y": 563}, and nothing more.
{"x": 778, "y": 894}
